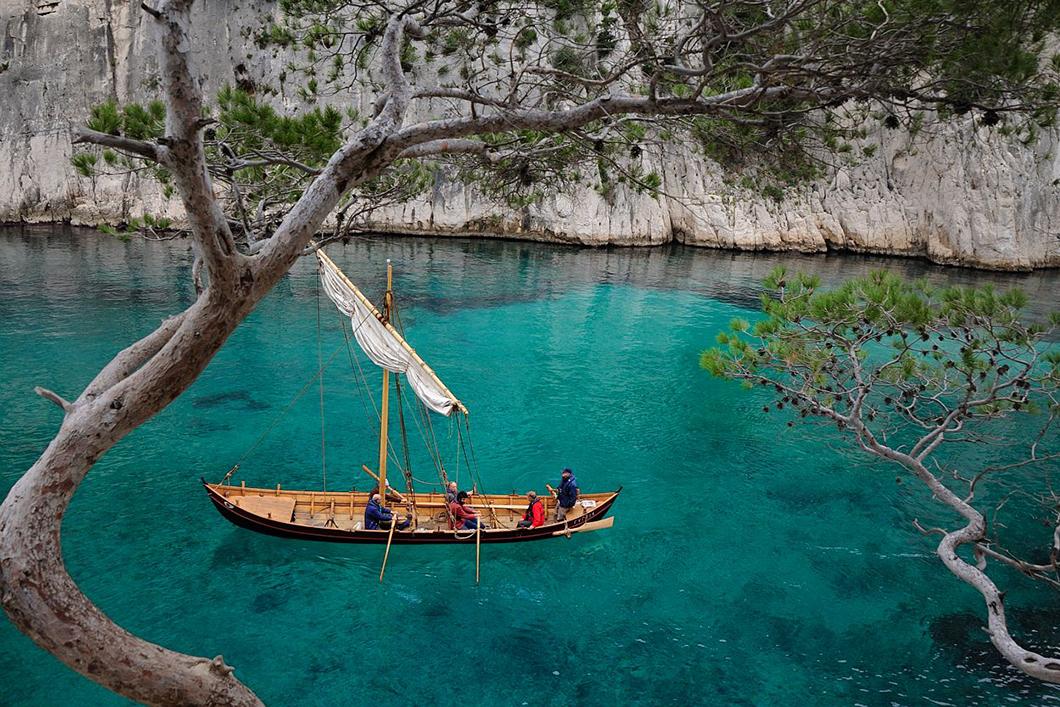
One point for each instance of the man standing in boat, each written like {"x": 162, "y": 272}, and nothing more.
{"x": 379, "y": 517}
{"x": 566, "y": 494}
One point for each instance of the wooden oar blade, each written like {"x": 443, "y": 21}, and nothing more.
{"x": 589, "y": 527}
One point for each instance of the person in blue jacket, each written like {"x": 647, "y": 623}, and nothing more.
{"x": 379, "y": 517}
{"x": 566, "y": 494}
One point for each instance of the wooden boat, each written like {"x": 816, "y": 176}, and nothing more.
{"x": 338, "y": 516}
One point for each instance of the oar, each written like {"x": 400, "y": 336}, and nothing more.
{"x": 389, "y": 538}
{"x": 588, "y": 527}
{"x": 478, "y": 548}
{"x": 390, "y": 490}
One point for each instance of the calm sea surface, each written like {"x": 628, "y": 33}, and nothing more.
{"x": 749, "y": 563}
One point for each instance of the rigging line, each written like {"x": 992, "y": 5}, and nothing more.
{"x": 282, "y": 413}
{"x": 435, "y": 452}
{"x": 433, "y": 442}
{"x": 471, "y": 445}
{"x": 428, "y": 483}
{"x": 463, "y": 449}
{"x": 467, "y": 426}
{"x": 405, "y": 442}
{"x": 365, "y": 389}
{"x": 362, "y": 389}
{"x": 473, "y": 470}
{"x": 394, "y": 318}
{"x": 452, "y": 426}
{"x": 362, "y": 379}
{"x": 355, "y": 362}
{"x": 320, "y": 379}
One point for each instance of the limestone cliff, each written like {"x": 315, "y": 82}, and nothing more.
{"x": 959, "y": 194}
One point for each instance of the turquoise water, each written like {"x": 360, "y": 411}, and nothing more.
{"x": 749, "y": 563}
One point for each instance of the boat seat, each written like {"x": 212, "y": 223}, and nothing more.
{"x": 274, "y": 507}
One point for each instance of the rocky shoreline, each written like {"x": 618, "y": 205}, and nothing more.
{"x": 37, "y": 226}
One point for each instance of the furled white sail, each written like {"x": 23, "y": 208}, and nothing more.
{"x": 382, "y": 342}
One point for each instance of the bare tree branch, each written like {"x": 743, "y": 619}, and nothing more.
{"x": 131, "y": 358}
{"x": 140, "y": 148}
{"x": 55, "y": 398}
{"x": 449, "y": 147}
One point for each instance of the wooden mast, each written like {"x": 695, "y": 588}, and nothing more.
{"x": 387, "y": 302}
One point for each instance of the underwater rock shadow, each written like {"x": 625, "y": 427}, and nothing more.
{"x": 243, "y": 548}
{"x": 241, "y": 399}
{"x": 961, "y": 640}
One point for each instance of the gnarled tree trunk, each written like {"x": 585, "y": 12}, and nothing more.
{"x": 35, "y": 589}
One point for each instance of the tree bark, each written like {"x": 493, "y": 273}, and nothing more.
{"x": 42, "y": 600}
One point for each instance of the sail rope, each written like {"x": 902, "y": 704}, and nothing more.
{"x": 425, "y": 429}
{"x": 278, "y": 417}
{"x": 365, "y": 390}
{"x": 431, "y": 440}
{"x": 453, "y": 426}
{"x": 320, "y": 379}
{"x": 434, "y": 452}
{"x": 407, "y": 470}
{"x": 472, "y": 463}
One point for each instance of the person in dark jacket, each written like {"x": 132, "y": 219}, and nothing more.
{"x": 379, "y": 517}
{"x": 566, "y": 494}
{"x": 450, "y": 492}
{"x": 535, "y": 512}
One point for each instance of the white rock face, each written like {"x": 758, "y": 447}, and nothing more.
{"x": 962, "y": 194}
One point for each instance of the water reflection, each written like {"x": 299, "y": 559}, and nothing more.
{"x": 454, "y": 274}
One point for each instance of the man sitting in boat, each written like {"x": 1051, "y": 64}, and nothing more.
{"x": 379, "y": 517}
{"x": 566, "y": 494}
{"x": 450, "y": 492}
{"x": 464, "y": 516}
{"x": 535, "y": 512}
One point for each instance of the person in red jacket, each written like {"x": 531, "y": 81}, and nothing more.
{"x": 535, "y": 512}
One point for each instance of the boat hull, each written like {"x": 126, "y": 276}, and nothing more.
{"x": 295, "y": 531}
